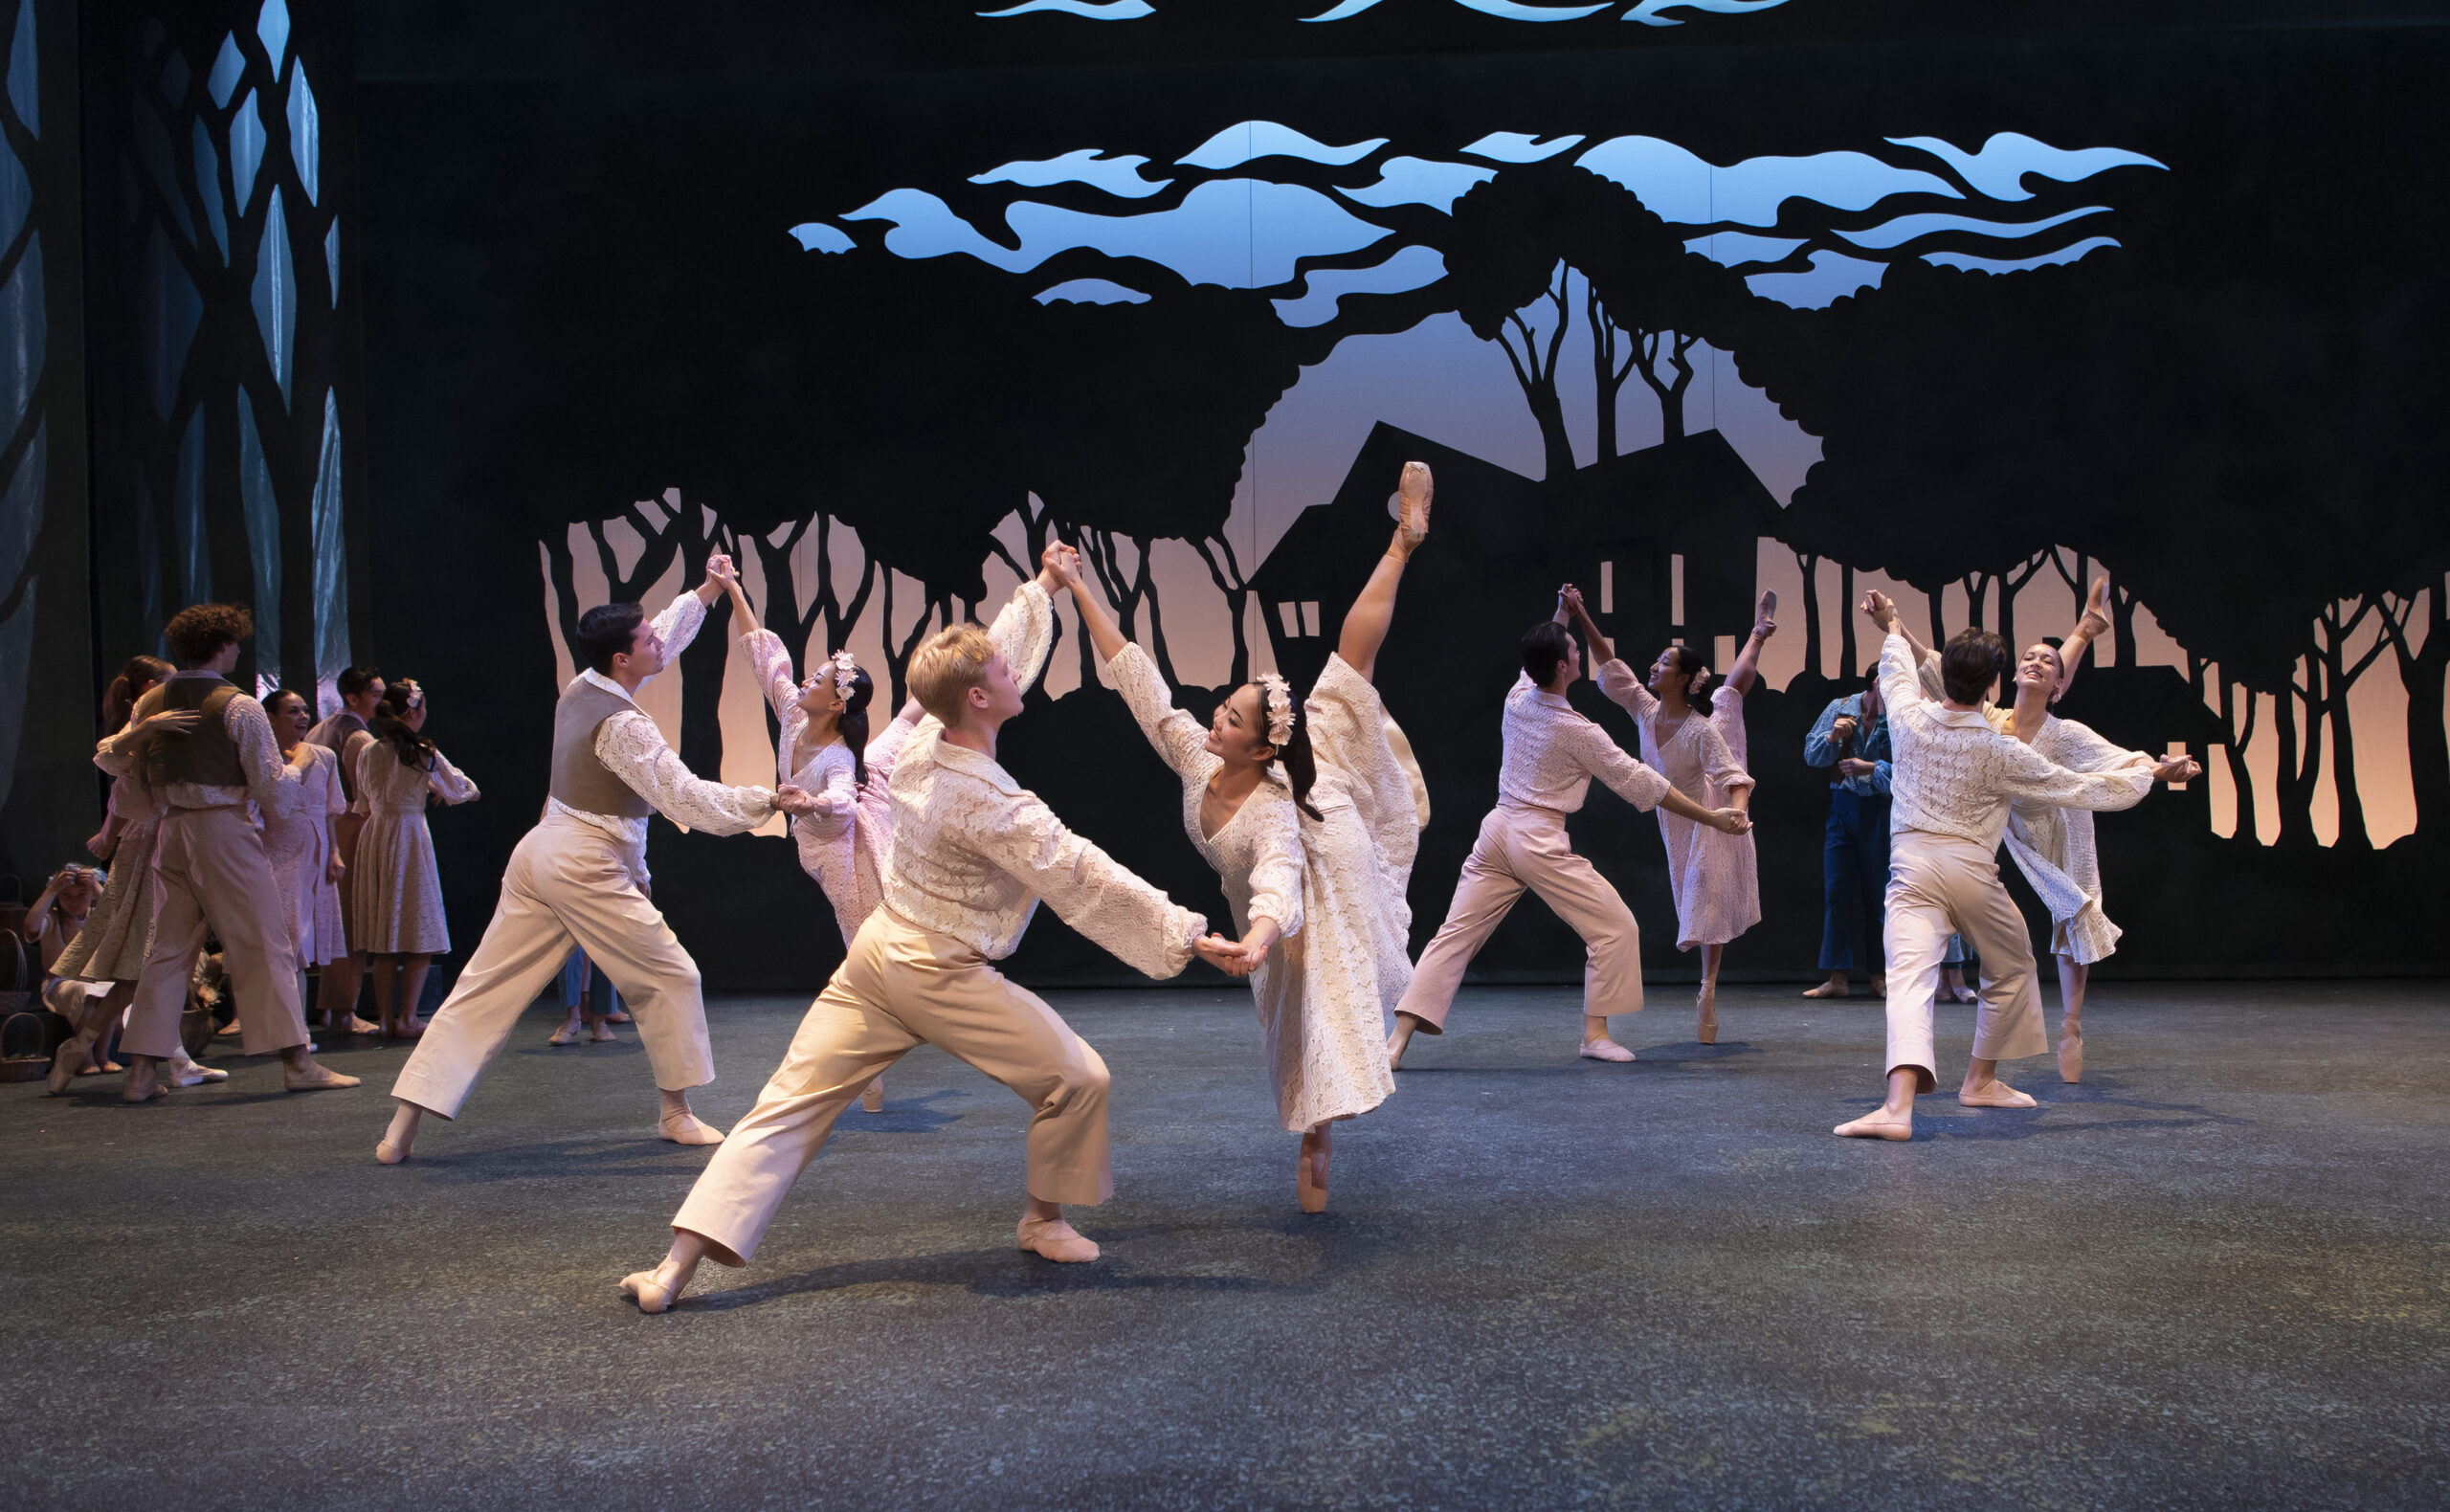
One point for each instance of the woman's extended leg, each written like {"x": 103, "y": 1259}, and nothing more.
{"x": 2073, "y": 974}
{"x": 1707, "y": 1030}
{"x": 1747, "y": 670}
{"x": 1367, "y": 621}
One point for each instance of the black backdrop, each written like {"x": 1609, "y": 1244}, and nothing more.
{"x": 577, "y": 297}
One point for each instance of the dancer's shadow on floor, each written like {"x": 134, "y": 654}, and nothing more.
{"x": 649, "y": 1155}
{"x": 1693, "y": 1055}
{"x": 1962, "y": 1123}
{"x": 918, "y": 1115}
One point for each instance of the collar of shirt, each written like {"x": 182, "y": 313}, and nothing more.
{"x": 1964, "y": 718}
{"x": 1554, "y": 701}
{"x": 598, "y": 679}
{"x": 976, "y": 764}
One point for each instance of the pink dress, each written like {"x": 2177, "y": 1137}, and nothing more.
{"x": 298, "y": 844}
{"x": 1714, "y": 878}
{"x": 119, "y": 930}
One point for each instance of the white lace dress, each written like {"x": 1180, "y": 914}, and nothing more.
{"x": 1335, "y": 885}
{"x": 298, "y": 844}
{"x": 119, "y": 930}
{"x": 396, "y": 901}
{"x": 1715, "y": 878}
{"x": 2054, "y": 847}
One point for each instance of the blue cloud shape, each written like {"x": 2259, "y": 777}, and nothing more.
{"x": 1254, "y": 139}
{"x": 1999, "y": 168}
{"x": 1119, "y": 175}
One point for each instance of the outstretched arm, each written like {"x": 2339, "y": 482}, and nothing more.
{"x": 1601, "y": 652}
{"x": 1095, "y": 622}
{"x": 743, "y": 619}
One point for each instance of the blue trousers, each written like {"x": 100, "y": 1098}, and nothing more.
{"x": 1854, "y": 875}
{"x": 608, "y": 997}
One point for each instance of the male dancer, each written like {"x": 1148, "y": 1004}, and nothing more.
{"x": 581, "y": 876}
{"x": 1952, "y": 778}
{"x": 208, "y": 750}
{"x": 1852, "y": 736}
{"x": 346, "y": 734}
{"x": 1551, "y": 754}
{"x": 973, "y": 852}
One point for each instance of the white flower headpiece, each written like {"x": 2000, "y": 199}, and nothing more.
{"x": 1276, "y": 701}
{"x": 846, "y": 672}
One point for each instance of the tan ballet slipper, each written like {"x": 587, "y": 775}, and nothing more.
{"x": 1707, "y": 1009}
{"x": 1878, "y": 1123}
{"x": 651, "y": 1294}
{"x": 2071, "y": 1054}
{"x": 1994, "y": 1093}
{"x": 1606, "y": 1050}
{"x": 1310, "y": 1172}
{"x": 314, "y": 1077}
{"x": 387, "y": 1153}
{"x": 1829, "y": 990}
{"x": 1053, "y": 1239}
{"x": 872, "y": 1099}
{"x": 685, "y": 1128}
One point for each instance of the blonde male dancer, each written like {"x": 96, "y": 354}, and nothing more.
{"x": 973, "y": 852}
{"x": 580, "y": 876}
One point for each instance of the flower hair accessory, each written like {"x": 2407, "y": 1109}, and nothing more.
{"x": 845, "y": 674}
{"x": 1276, "y": 701}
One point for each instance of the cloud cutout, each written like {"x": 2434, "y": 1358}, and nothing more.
{"x": 1653, "y": 13}
{"x": 2067, "y": 253}
{"x": 1999, "y": 168}
{"x": 1254, "y": 139}
{"x": 1520, "y": 147}
{"x": 1409, "y": 268}
{"x": 1906, "y": 228}
{"x": 1833, "y": 276}
{"x": 1090, "y": 10}
{"x": 1689, "y": 191}
{"x": 1418, "y": 181}
{"x": 1090, "y": 291}
{"x": 818, "y": 236}
{"x": 1119, "y": 175}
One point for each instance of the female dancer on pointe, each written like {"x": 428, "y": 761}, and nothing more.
{"x": 305, "y": 860}
{"x": 1712, "y": 875}
{"x": 1315, "y": 864}
{"x": 398, "y": 890}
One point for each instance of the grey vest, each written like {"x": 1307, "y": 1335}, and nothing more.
{"x": 333, "y": 735}
{"x": 579, "y": 781}
{"x": 204, "y": 755}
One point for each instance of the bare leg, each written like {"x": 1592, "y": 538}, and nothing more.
{"x": 382, "y": 974}
{"x": 1043, "y": 1232}
{"x": 1747, "y": 670}
{"x": 1893, "y": 1119}
{"x": 1836, "y": 987}
{"x": 1597, "y": 1046}
{"x": 301, "y": 1072}
{"x": 1310, "y": 1174}
{"x": 337, "y": 995}
{"x": 1706, "y": 1029}
{"x": 871, "y": 1101}
{"x": 1367, "y": 621}
{"x": 2073, "y": 974}
{"x": 413, "y": 969}
{"x": 1983, "y": 1088}
{"x": 658, "y": 1289}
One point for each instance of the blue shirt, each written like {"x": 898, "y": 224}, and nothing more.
{"x": 1822, "y": 748}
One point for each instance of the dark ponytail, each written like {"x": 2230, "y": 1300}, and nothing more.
{"x": 853, "y": 722}
{"x": 118, "y": 702}
{"x": 389, "y": 726}
{"x": 1301, "y": 762}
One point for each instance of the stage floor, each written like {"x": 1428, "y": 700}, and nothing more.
{"x": 2213, "y": 1275}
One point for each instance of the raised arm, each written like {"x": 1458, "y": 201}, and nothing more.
{"x": 1901, "y": 685}
{"x": 1024, "y": 628}
{"x": 1570, "y": 599}
{"x": 1090, "y": 890}
{"x": 1177, "y": 737}
{"x": 1095, "y": 622}
{"x": 772, "y": 663}
{"x": 1622, "y": 686}
{"x": 1720, "y": 766}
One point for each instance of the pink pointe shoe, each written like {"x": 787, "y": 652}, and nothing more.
{"x": 1053, "y": 1239}
{"x": 872, "y": 1099}
{"x": 1707, "y": 1028}
{"x": 1412, "y": 496}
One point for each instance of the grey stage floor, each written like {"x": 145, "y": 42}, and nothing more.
{"x": 2213, "y": 1275}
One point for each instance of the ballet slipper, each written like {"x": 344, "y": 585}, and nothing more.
{"x": 603, "y": 1035}
{"x": 1310, "y": 1174}
{"x": 389, "y": 1154}
{"x": 2071, "y": 1056}
{"x": 143, "y": 1086}
{"x": 651, "y": 1294}
{"x": 313, "y": 1077}
{"x": 871, "y": 1101}
{"x": 1994, "y": 1093}
{"x": 1829, "y": 990}
{"x": 69, "y": 1063}
{"x": 1053, "y": 1239}
{"x": 1963, "y": 994}
{"x": 684, "y": 1128}
{"x": 1767, "y": 611}
{"x": 411, "y": 1028}
{"x": 188, "y": 1074}
{"x": 1878, "y": 1123}
{"x": 1605, "y": 1050}
{"x": 1708, "y": 1006}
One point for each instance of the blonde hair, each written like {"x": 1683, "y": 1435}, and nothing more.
{"x": 951, "y": 662}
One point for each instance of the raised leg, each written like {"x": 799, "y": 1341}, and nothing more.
{"x": 1367, "y": 621}
{"x": 2073, "y": 975}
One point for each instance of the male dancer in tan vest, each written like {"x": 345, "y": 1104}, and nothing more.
{"x": 207, "y": 749}
{"x": 580, "y": 876}
{"x": 973, "y": 852}
{"x": 345, "y": 734}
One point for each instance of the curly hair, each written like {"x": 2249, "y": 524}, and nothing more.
{"x": 197, "y": 633}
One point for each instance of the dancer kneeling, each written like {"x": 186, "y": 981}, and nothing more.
{"x": 1551, "y": 754}
{"x": 1314, "y": 861}
{"x": 581, "y": 875}
{"x": 1953, "y": 776}
{"x": 973, "y": 851}
{"x": 824, "y": 750}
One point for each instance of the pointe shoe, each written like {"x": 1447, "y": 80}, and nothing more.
{"x": 1413, "y": 494}
{"x": 871, "y": 1101}
{"x": 1395, "y": 1049}
{"x": 1605, "y": 1050}
{"x": 69, "y": 1063}
{"x": 1994, "y": 1093}
{"x": 1880, "y": 987}
{"x": 2071, "y": 1056}
{"x": 686, "y": 1129}
{"x": 1310, "y": 1177}
{"x": 1053, "y": 1239}
{"x": 1829, "y": 990}
{"x": 652, "y": 1295}
{"x": 1707, "y": 1007}
{"x": 1877, "y": 1124}
{"x": 188, "y": 1074}
{"x": 1764, "y": 620}
{"x": 387, "y": 1153}
{"x": 314, "y": 1079}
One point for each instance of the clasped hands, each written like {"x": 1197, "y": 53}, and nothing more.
{"x": 1238, "y": 957}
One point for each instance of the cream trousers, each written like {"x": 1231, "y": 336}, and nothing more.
{"x": 211, "y": 872}
{"x": 1519, "y": 848}
{"x": 1940, "y": 884}
{"x": 899, "y": 988}
{"x": 567, "y": 883}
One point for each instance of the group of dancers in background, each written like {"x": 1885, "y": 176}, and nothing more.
{"x": 934, "y": 858}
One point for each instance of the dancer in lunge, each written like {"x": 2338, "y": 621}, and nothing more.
{"x": 345, "y": 733}
{"x": 305, "y": 857}
{"x": 1306, "y": 814}
{"x": 1714, "y": 878}
{"x": 2054, "y": 846}
{"x": 581, "y": 876}
{"x": 1953, "y": 776}
{"x": 973, "y": 851}
{"x": 205, "y": 751}
{"x": 1550, "y": 755}
{"x": 823, "y": 749}
{"x": 396, "y": 885}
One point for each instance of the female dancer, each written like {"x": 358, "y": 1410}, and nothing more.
{"x": 1315, "y": 863}
{"x": 53, "y": 921}
{"x": 1712, "y": 875}
{"x": 398, "y": 893}
{"x": 305, "y": 862}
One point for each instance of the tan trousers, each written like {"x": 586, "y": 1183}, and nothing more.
{"x": 1519, "y": 848}
{"x": 567, "y": 883}
{"x": 1939, "y": 885}
{"x": 899, "y": 988}
{"x": 211, "y": 872}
